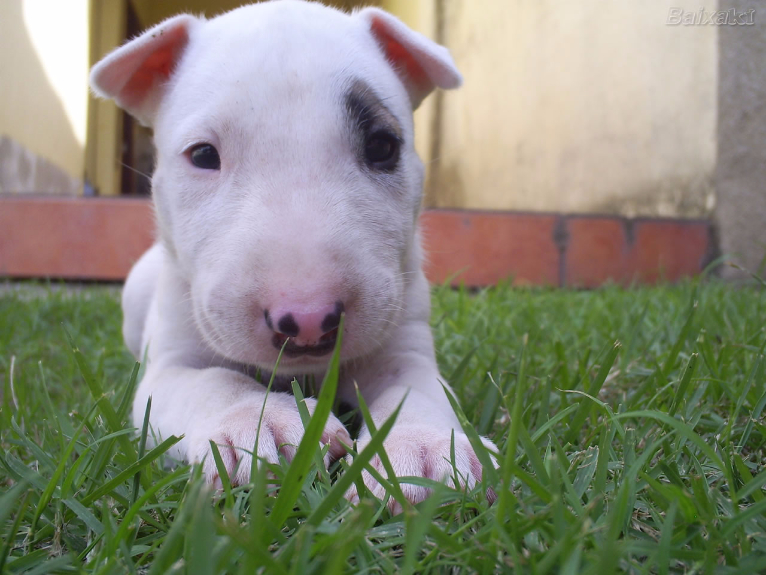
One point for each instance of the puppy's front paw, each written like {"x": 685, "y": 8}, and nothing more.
{"x": 234, "y": 432}
{"x": 421, "y": 451}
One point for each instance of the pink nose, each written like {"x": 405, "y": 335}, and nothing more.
{"x": 304, "y": 324}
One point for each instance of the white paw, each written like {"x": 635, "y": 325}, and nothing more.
{"x": 234, "y": 432}
{"x": 422, "y": 451}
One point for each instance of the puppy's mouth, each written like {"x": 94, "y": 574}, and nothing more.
{"x": 295, "y": 347}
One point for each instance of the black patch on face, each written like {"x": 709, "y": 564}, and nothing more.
{"x": 376, "y": 132}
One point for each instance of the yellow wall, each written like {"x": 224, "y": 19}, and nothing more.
{"x": 44, "y": 79}
{"x": 587, "y": 106}
{"x": 152, "y": 12}
{"x": 103, "y": 166}
{"x": 421, "y": 15}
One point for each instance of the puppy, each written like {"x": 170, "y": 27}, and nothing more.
{"x": 287, "y": 192}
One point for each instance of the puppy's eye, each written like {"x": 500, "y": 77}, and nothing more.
{"x": 381, "y": 150}
{"x": 205, "y": 156}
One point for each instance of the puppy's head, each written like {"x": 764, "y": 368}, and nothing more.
{"x": 287, "y": 187}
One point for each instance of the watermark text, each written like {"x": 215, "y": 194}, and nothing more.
{"x": 732, "y": 17}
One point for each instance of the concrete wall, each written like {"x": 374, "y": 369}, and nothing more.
{"x": 587, "y": 106}
{"x": 103, "y": 158}
{"x": 590, "y": 106}
{"x": 741, "y": 174}
{"x": 151, "y": 12}
{"x": 43, "y": 95}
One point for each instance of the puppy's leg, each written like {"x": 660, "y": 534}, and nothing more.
{"x": 419, "y": 444}
{"x": 225, "y": 406}
{"x": 201, "y": 396}
{"x": 137, "y": 296}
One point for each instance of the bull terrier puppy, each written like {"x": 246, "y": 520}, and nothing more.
{"x": 287, "y": 192}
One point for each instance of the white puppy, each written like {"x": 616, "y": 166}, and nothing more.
{"x": 287, "y": 191}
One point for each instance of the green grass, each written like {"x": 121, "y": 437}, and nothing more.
{"x": 630, "y": 424}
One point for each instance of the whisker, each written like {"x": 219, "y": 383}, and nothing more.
{"x": 139, "y": 172}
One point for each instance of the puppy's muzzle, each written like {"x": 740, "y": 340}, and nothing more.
{"x": 304, "y": 330}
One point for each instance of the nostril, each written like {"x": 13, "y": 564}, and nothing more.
{"x": 288, "y": 326}
{"x": 267, "y": 317}
{"x": 332, "y": 320}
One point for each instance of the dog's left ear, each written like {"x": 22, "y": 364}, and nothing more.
{"x": 135, "y": 74}
{"x": 420, "y": 63}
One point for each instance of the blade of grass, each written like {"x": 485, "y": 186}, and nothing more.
{"x": 752, "y": 487}
{"x": 200, "y": 538}
{"x": 299, "y": 467}
{"x": 666, "y": 536}
{"x": 223, "y": 474}
{"x": 127, "y": 395}
{"x": 391, "y": 485}
{"x": 688, "y": 433}
{"x": 683, "y": 337}
{"x": 417, "y": 525}
{"x": 686, "y": 379}
{"x": 593, "y": 390}
{"x": 141, "y": 442}
{"x": 254, "y": 461}
{"x": 110, "y": 415}
{"x": 343, "y": 483}
{"x": 752, "y": 420}
{"x": 54, "y": 480}
{"x": 172, "y": 547}
{"x": 305, "y": 420}
{"x": 130, "y": 470}
{"x": 10, "y": 537}
{"x": 127, "y": 519}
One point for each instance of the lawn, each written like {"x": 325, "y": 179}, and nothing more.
{"x": 630, "y": 424}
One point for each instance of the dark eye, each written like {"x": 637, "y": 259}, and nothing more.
{"x": 381, "y": 150}
{"x": 206, "y": 157}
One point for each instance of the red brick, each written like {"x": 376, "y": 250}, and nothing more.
{"x": 482, "y": 248}
{"x": 73, "y": 238}
{"x": 668, "y": 250}
{"x": 601, "y": 249}
{"x": 100, "y": 238}
{"x": 596, "y": 251}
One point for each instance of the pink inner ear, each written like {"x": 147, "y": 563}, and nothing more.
{"x": 399, "y": 55}
{"x": 156, "y": 66}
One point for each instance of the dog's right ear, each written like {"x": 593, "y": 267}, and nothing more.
{"x": 134, "y": 75}
{"x": 421, "y": 64}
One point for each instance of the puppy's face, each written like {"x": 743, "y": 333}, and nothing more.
{"x": 287, "y": 187}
